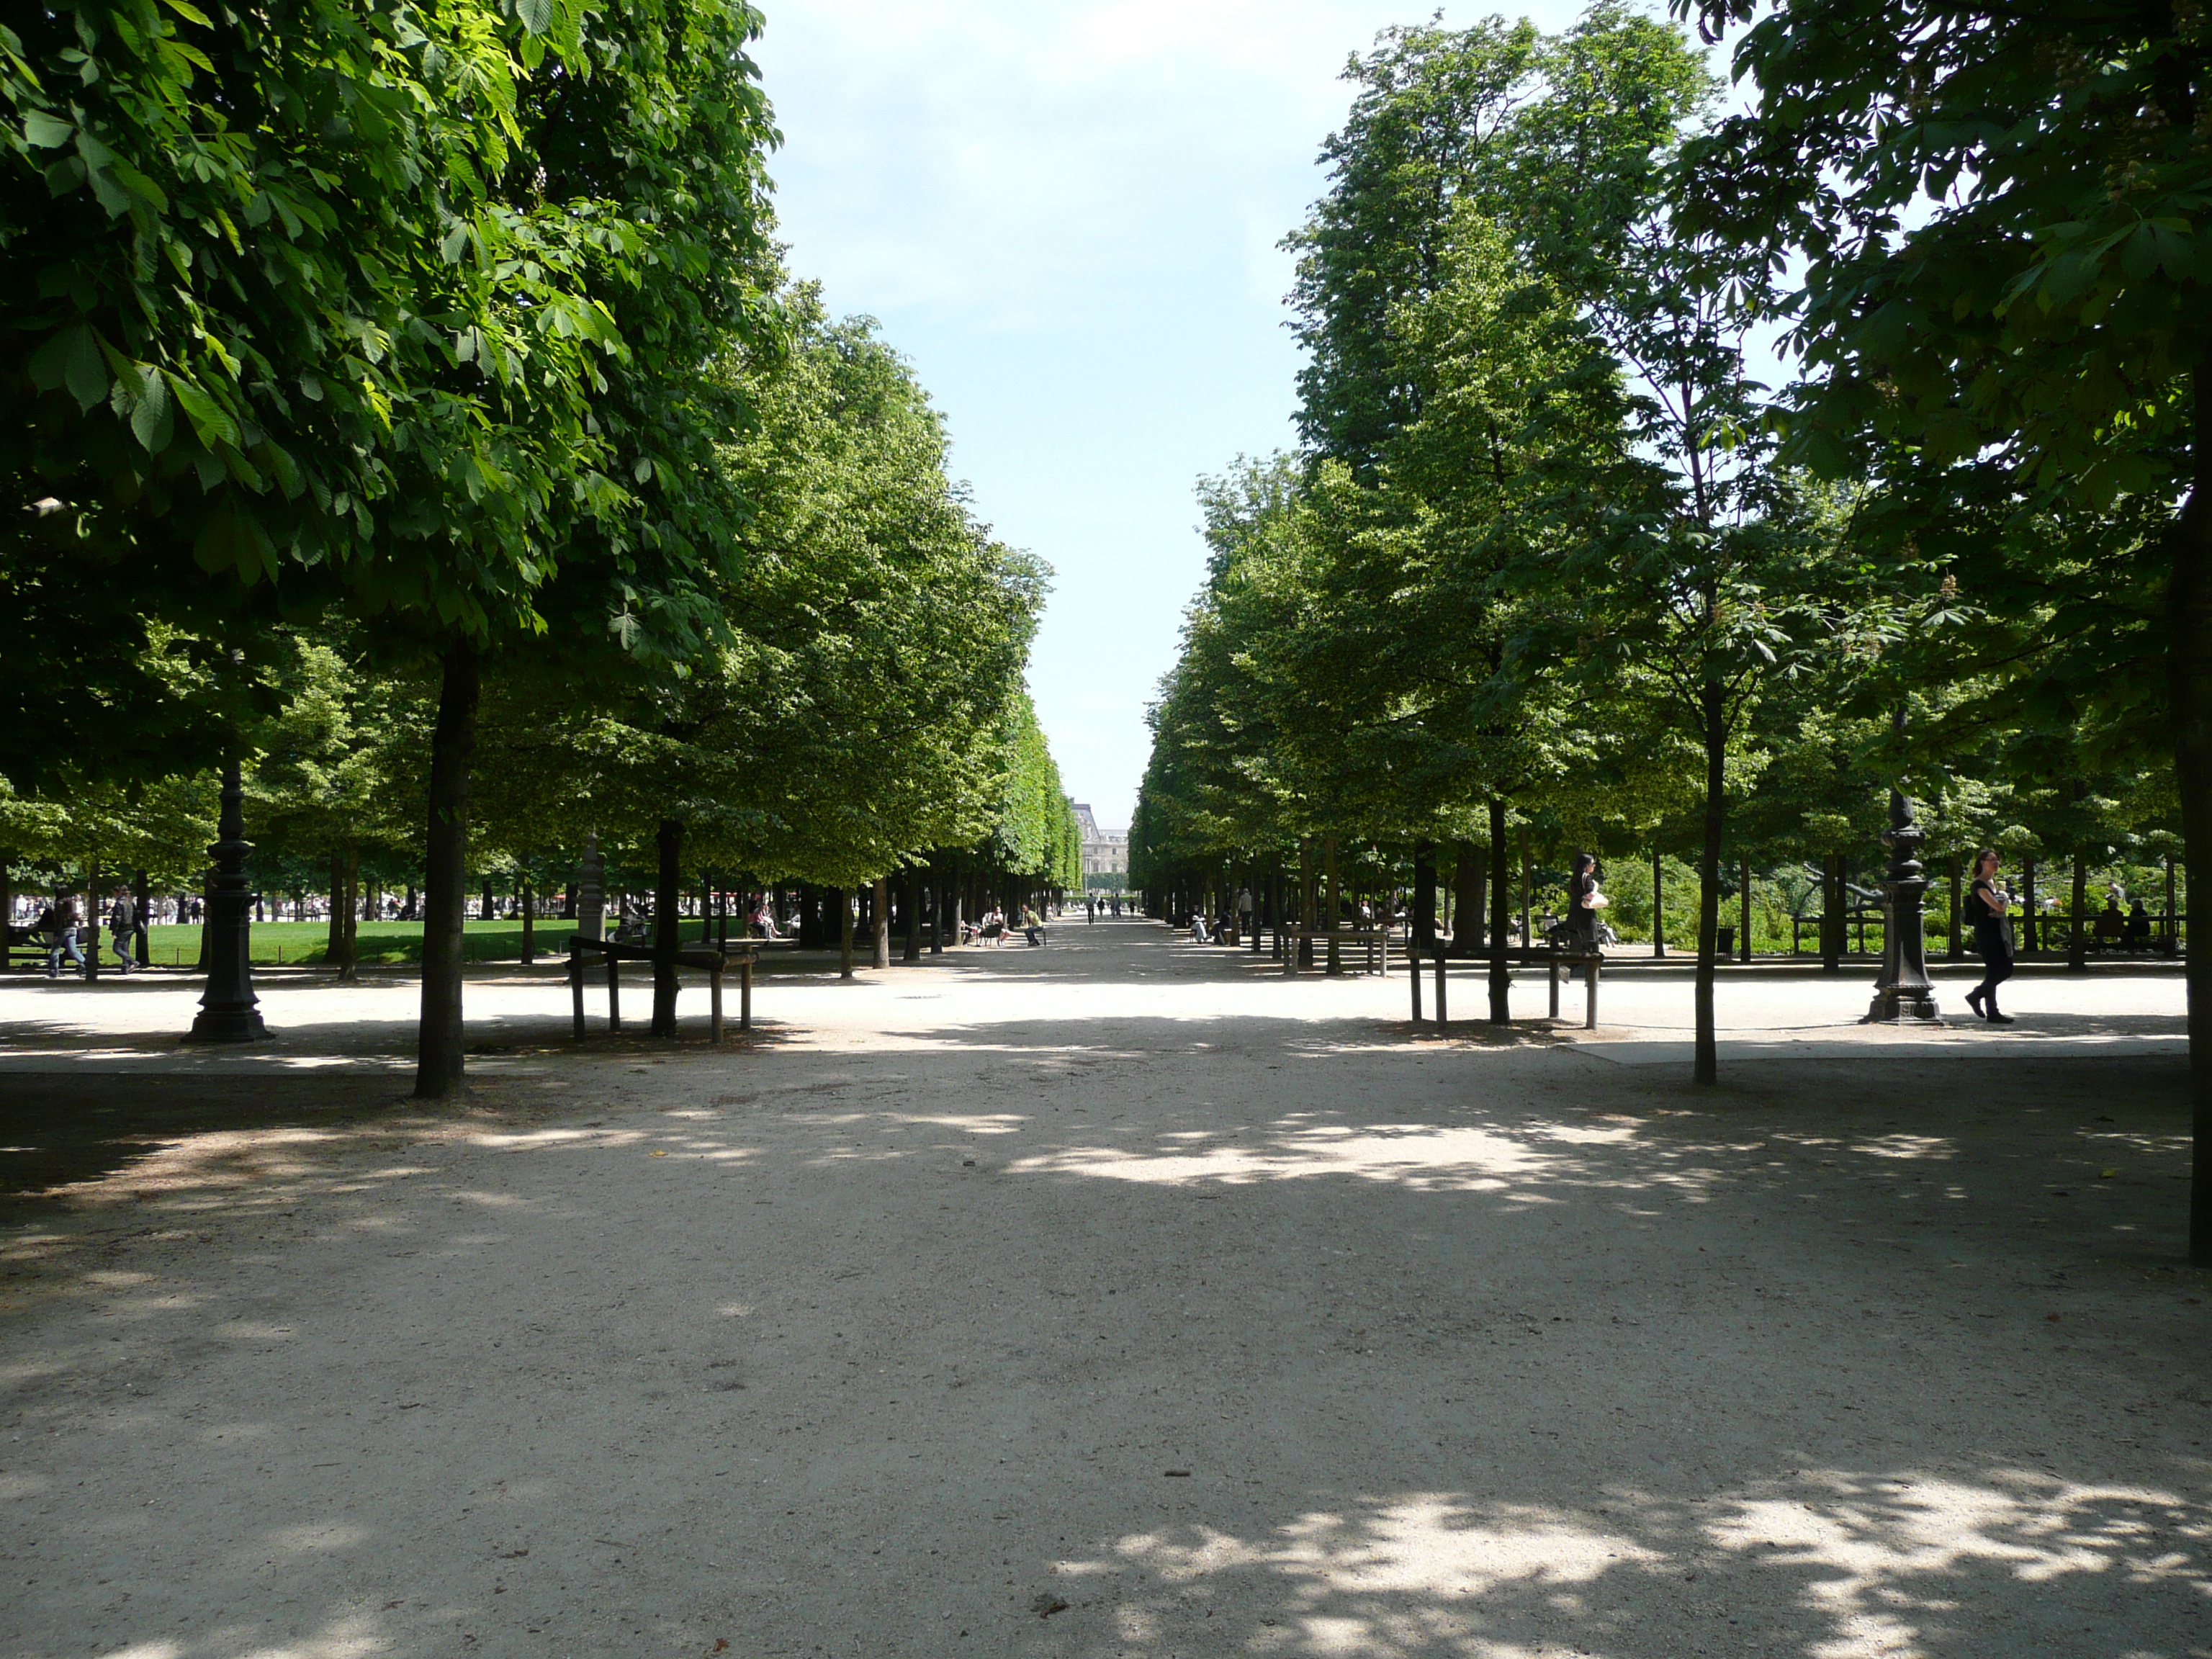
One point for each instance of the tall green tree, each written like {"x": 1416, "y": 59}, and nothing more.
{"x": 1985, "y": 225}
{"x": 439, "y": 290}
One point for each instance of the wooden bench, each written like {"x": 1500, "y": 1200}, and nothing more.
{"x": 716, "y": 960}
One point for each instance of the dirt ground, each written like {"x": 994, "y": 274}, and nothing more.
{"x": 1113, "y": 1299}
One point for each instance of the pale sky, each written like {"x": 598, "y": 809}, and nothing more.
{"x": 1066, "y": 216}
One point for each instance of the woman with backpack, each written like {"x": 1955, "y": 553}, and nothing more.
{"x": 1989, "y": 907}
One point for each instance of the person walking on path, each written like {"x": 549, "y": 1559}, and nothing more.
{"x": 1584, "y": 903}
{"x": 1989, "y": 907}
{"x": 122, "y": 926}
{"x": 59, "y": 926}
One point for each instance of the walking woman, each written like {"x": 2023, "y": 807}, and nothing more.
{"x": 1584, "y": 903}
{"x": 1989, "y": 907}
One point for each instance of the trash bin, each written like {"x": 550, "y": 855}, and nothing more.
{"x": 1723, "y": 941}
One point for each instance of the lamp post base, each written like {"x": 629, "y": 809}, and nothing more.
{"x": 226, "y": 1025}
{"x": 1893, "y": 1008}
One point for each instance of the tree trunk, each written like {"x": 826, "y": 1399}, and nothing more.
{"x": 439, "y": 1060}
{"x": 916, "y": 885}
{"x": 351, "y": 970}
{"x": 1832, "y": 913}
{"x": 667, "y": 924}
{"x": 880, "y": 955}
{"x": 1501, "y": 918}
{"x": 1467, "y": 898}
{"x": 2190, "y": 605}
{"x": 1658, "y": 907}
{"x": 334, "y": 945}
{"x": 2077, "y": 936}
{"x": 1707, "y": 1064}
{"x": 942, "y": 882}
{"x": 2029, "y": 915}
{"x": 6, "y": 917}
{"x": 1956, "y": 950}
{"x": 1425, "y": 902}
{"x": 844, "y": 932}
{"x": 529, "y": 896}
{"x": 1528, "y": 926}
{"x": 1336, "y": 905}
{"x": 1305, "y": 900}
{"x": 1743, "y": 944}
{"x": 90, "y": 928}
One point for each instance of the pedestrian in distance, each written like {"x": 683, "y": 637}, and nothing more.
{"x": 1585, "y": 901}
{"x": 2138, "y": 934}
{"x": 1989, "y": 907}
{"x": 123, "y": 927}
{"x": 59, "y": 924}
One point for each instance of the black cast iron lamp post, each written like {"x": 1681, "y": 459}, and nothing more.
{"x": 1904, "y": 992}
{"x": 227, "y": 1013}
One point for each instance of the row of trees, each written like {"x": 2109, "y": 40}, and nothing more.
{"x": 1553, "y": 560}
{"x": 408, "y": 407}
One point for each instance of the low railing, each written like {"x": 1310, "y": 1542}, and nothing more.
{"x": 1371, "y": 946}
{"x": 1552, "y": 957}
{"x": 715, "y": 960}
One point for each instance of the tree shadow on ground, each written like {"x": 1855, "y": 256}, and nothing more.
{"x": 1162, "y": 1203}
{"x": 1818, "y": 1562}
{"x": 68, "y": 1131}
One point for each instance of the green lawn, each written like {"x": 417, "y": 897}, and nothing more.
{"x": 289, "y": 942}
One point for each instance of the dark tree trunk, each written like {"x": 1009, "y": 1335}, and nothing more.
{"x": 1527, "y": 925}
{"x": 1305, "y": 900}
{"x": 1425, "y": 899}
{"x": 915, "y": 888}
{"x": 439, "y": 1056}
{"x": 1501, "y": 918}
{"x": 1467, "y": 898}
{"x": 1832, "y": 913}
{"x": 529, "y": 898}
{"x": 2190, "y": 605}
{"x": 6, "y": 917}
{"x": 844, "y": 932}
{"x": 880, "y": 955}
{"x": 1707, "y": 1066}
{"x": 1743, "y": 944}
{"x": 334, "y": 946}
{"x": 2077, "y": 935}
{"x": 351, "y": 970}
{"x": 1658, "y": 907}
{"x": 667, "y": 924}
{"x": 1956, "y": 949}
{"x": 2029, "y": 914}
{"x": 1336, "y": 901}
{"x": 90, "y": 928}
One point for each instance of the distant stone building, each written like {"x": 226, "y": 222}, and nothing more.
{"x": 1105, "y": 857}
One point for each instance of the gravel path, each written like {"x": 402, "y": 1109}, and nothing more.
{"x": 1113, "y": 1299}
